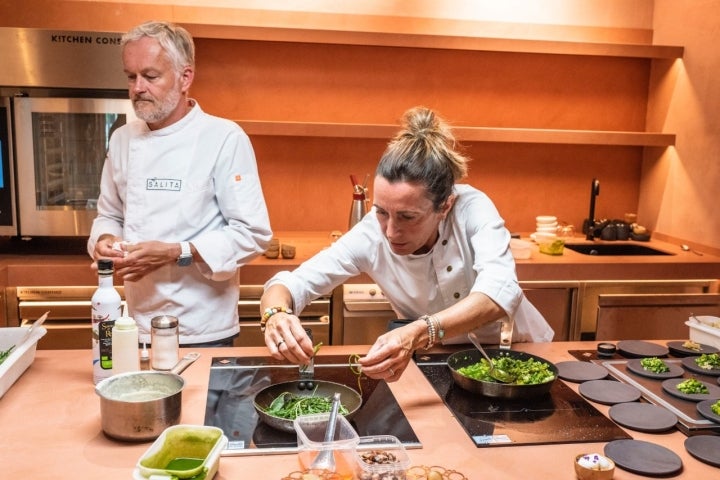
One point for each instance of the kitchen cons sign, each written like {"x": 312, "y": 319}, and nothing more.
{"x": 61, "y": 59}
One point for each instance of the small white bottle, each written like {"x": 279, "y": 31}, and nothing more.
{"x": 105, "y": 309}
{"x": 125, "y": 345}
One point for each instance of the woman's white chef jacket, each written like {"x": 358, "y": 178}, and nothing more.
{"x": 472, "y": 254}
{"x": 195, "y": 180}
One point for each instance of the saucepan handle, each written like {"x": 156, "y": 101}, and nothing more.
{"x": 185, "y": 362}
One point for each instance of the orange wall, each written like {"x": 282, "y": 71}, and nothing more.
{"x": 306, "y": 179}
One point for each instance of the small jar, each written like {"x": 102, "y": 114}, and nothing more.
{"x": 165, "y": 342}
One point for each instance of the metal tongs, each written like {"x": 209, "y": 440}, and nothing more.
{"x": 307, "y": 371}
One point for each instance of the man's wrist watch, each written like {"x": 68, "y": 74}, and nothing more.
{"x": 185, "y": 258}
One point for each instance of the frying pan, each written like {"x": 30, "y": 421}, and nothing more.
{"x": 349, "y": 398}
{"x": 495, "y": 389}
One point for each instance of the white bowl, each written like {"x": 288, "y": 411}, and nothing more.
{"x": 547, "y": 229}
{"x": 520, "y": 249}
{"x": 545, "y": 219}
{"x": 541, "y": 237}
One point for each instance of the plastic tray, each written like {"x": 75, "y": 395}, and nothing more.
{"x": 20, "y": 358}
{"x": 389, "y": 447}
{"x": 705, "y": 334}
{"x": 183, "y": 441}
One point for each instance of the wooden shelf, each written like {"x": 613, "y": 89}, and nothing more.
{"x": 447, "y": 42}
{"x": 467, "y": 134}
{"x": 389, "y": 31}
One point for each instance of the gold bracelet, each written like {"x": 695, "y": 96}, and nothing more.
{"x": 269, "y": 312}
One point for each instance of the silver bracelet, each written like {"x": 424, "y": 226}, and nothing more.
{"x": 430, "y": 330}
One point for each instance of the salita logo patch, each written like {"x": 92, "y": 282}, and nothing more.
{"x": 169, "y": 184}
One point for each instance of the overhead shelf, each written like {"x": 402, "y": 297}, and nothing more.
{"x": 448, "y": 42}
{"x": 395, "y": 32}
{"x": 467, "y": 134}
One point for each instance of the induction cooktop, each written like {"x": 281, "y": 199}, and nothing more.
{"x": 561, "y": 416}
{"x": 234, "y": 382}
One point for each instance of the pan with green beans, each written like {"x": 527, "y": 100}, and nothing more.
{"x": 279, "y": 404}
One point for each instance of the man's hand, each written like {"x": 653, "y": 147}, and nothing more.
{"x": 145, "y": 257}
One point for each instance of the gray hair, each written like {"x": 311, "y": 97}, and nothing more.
{"x": 424, "y": 152}
{"x": 175, "y": 40}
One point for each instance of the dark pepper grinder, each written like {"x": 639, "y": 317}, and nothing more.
{"x": 589, "y": 224}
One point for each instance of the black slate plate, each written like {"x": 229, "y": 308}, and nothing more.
{"x": 670, "y": 386}
{"x": 578, "y": 372}
{"x": 641, "y": 349}
{"x": 676, "y": 348}
{"x": 643, "y": 457}
{"x": 643, "y": 417}
{"x": 689, "y": 363}
{"x": 635, "y": 367}
{"x": 703, "y": 408}
{"x": 609, "y": 392}
{"x": 705, "y": 448}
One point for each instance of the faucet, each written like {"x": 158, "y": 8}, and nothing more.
{"x": 594, "y": 192}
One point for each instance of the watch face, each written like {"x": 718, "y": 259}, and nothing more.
{"x": 184, "y": 261}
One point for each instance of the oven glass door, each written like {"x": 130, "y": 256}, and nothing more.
{"x": 61, "y": 146}
{"x": 7, "y": 190}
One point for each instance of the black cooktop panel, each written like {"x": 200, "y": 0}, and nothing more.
{"x": 561, "y": 416}
{"x": 234, "y": 382}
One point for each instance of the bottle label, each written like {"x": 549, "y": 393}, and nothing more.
{"x": 105, "y": 343}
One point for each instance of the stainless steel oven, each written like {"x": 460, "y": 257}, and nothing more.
{"x": 68, "y": 325}
{"x": 66, "y": 92}
{"x": 8, "y": 225}
{"x": 366, "y": 314}
{"x": 60, "y": 146}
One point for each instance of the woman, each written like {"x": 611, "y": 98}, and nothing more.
{"x": 438, "y": 250}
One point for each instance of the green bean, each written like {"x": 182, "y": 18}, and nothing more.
{"x": 290, "y": 406}
{"x": 5, "y": 354}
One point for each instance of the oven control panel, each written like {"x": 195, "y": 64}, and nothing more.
{"x": 363, "y": 292}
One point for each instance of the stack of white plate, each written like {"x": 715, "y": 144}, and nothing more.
{"x": 545, "y": 228}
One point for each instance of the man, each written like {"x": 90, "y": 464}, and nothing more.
{"x": 181, "y": 206}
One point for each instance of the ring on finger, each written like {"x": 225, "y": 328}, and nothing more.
{"x": 392, "y": 372}
{"x": 280, "y": 343}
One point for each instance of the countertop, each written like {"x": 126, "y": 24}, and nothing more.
{"x": 19, "y": 263}
{"x": 51, "y": 427}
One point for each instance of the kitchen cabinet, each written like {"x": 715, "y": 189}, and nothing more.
{"x": 591, "y": 290}
{"x": 651, "y": 316}
{"x": 557, "y": 302}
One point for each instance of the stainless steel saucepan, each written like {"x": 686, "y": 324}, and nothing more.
{"x": 139, "y": 406}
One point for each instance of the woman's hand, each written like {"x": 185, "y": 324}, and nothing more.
{"x": 391, "y": 353}
{"x": 286, "y": 338}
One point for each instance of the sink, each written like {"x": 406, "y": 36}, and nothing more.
{"x": 623, "y": 249}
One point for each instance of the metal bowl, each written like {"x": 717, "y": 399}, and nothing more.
{"x": 495, "y": 389}
{"x": 349, "y": 398}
